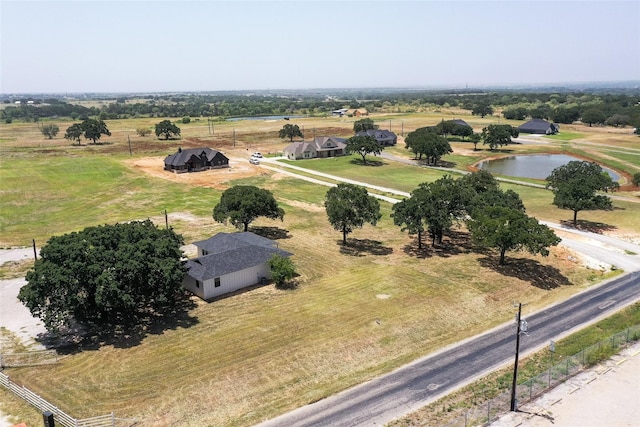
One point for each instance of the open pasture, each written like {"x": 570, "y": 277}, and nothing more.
{"x": 358, "y": 311}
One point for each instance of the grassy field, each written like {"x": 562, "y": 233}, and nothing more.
{"x": 359, "y": 311}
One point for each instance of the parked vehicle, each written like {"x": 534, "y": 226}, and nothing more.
{"x": 257, "y": 155}
{"x": 254, "y": 161}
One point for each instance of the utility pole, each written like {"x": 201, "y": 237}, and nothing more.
{"x": 234, "y": 138}
{"x": 166, "y": 219}
{"x": 129, "y": 139}
{"x": 522, "y": 327}
{"x": 35, "y": 252}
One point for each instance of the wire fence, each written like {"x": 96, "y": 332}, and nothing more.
{"x": 528, "y": 390}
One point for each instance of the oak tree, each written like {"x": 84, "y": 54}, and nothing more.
{"x": 93, "y": 129}
{"x": 363, "y": 125}
{"x": 508, "y": 229}
{"x": 576, "y": 185}
{"x": 349, "y": 206}
{"x": 363, "y": 145}
{"x": 106, "y": 278}
{"x": 168, "y": 129}
{"x": 290, "y": 131}
{"x": 242, "y": 204}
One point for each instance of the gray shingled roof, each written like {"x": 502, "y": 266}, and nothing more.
{"x": 231, "y": 252}
{"x": 380, "y": 135}
{"x": 319, "y": 143}
{"x": 460, "y": 122}
{"x": 534, "y": 125}
{"x": 182, "y": 156}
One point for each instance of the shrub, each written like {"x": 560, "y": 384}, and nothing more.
{"x": 143, "y": 131}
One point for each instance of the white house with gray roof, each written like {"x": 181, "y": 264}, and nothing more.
{"x": 228, "y": 262}
{"x": 321, "y": 146}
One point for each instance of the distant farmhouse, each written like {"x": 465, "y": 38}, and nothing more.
{"x": 460, "y": 122}
{"x": 228, "y": 262}
{"x": 384, "y": 137}
{"x": 195, "y": 160}
{"x": 320, "y": 147}
{"x": 357, "y": 112}
{"x": 539, "y": 126}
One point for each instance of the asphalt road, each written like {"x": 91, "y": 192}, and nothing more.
{"x": 413, "y": 386}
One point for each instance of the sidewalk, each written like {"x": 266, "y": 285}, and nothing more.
{"x": 605, "y": 395}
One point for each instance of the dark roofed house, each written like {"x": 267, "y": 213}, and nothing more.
{"x": 195, "y": 160}
{"x": 539, "y": 126}
{"x": 321, "y": 146}
{"x": 228, "y": 262}
{"x": 461, "y": 122}
{"x": 384, "y": 137}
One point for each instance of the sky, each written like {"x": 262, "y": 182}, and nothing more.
{"x": 208, "y": 45}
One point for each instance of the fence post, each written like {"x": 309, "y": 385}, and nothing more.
{"x": 549, "y": 378}
{"x": 489, "y": 411}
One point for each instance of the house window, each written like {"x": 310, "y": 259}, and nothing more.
{"x": 216, "y": 282}
{"x": 197, "y": 283}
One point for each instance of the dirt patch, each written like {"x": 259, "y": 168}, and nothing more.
{"x": 214, "y": 178}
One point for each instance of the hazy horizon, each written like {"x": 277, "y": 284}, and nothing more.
{"x": 139, "y": 46}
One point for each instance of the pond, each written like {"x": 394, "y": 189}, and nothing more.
{"x": 236, "y": 119}
{"x": 537, "y": 166}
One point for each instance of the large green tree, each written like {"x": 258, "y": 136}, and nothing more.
{"x": 433, "y": 206}
{"x": 498, "y": 135}
{"x": 106, "y": 278}
{"x": 576, "y": 185}
{"x": 168, "y": 129}
{"x": 482, "y": 109}
{"x": 242, "y": 204}
{"x": 593, "y": 116}
{"x": 508, "y": 229}
{"x": 93, "y": 129}
{"x": 363, "y": 125}
{"x": 74, "y": 133}
{"x": 349, "y": 206}
{"x": 363, "y": 145}
{"x": 409, "y": 215}
{"x": 290, "y": 131}
{"x": 426, "y": 142}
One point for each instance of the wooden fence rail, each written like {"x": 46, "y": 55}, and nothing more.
{"x": 59, "y": 415}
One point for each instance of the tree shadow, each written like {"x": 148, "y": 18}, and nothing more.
{"x": 446, "y": 164}
{"x": 370, "y": 162}
{"x": 591, "y": 226}
{"x": 273, "y": 233}
{"x": 453, "y": 243}
{"x": 358, "y": 247}
{"x": 77, "y": 339}
{"x": 539, "y": 275}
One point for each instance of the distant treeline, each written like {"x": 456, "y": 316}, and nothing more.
{"x": 616, "y": 109}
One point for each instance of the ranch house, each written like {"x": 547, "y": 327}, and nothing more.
{"x": 195, "y": 160}
{"x": 228, "y": 262}
{"x": 384, "y": 137}
{"x": 539, "y": 126}
{"x": 320, "y": 147}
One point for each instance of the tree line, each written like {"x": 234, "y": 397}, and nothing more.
{"x": 614, "y": 109}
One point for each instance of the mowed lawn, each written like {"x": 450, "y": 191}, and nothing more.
{"x": 359, "y": 311}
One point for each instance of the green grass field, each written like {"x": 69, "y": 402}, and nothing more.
{"x": 255, "y": 355}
